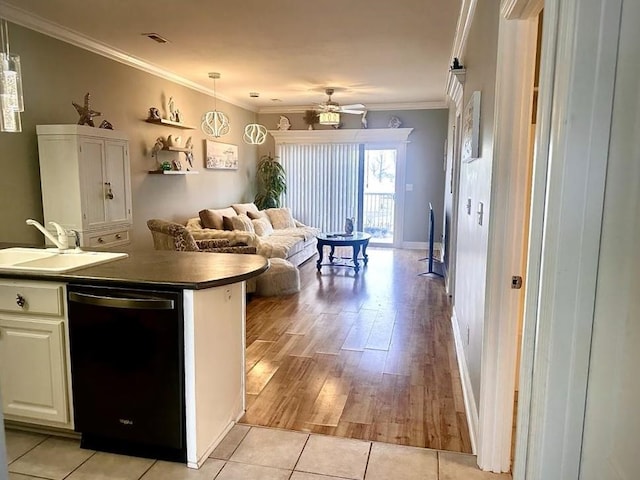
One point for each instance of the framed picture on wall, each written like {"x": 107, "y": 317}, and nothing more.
{"x": 471, "y": 128}
{"x": 221, "y": 156}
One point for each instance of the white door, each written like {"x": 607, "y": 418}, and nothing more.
{"x": 116, "y": 181}
{"x": 34, "y": 387}
{"x": 92, "y": 178}
{"x": 612, "y": 423}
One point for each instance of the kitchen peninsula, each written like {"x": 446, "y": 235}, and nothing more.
{"x": 142, "y": 355}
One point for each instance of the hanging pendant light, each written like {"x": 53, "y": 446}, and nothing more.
{"x": 215, "y": 123}
{"x": 11, "y": 100}
{"x": 255, "y": 134}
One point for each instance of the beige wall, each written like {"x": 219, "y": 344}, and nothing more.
{"x": 479, "y": 60}
{"x": 56, "y": 74}
{"x": 424, "y": 166}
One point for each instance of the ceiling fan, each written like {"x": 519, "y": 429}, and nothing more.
{"x": 333, "y": 107}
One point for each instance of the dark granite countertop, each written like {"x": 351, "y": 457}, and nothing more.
{"x": 174, "y": 270}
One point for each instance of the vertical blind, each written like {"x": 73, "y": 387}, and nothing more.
{"x": 322, "y": 183}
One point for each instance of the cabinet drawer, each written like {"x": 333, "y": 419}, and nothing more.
{"x": 35, "y": 298}
{"x": 111, "y": 238}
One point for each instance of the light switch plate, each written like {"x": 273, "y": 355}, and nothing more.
{"x": 468, "y": 206}
{"x": 480, "y": 212}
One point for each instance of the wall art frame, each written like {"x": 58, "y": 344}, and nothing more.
{"x": 471, "y": 129}
{"x": 221, "y": 156}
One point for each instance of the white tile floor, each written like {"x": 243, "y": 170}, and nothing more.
{"x": 246, "y": 453}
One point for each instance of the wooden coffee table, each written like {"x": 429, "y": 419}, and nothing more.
{"x": 357, "y": 240}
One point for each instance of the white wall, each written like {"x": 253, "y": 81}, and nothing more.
{"x": 475, "y": 183}
{"x": 612, "y": 424}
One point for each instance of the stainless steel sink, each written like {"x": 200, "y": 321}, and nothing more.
{"x": 50, "y": 260}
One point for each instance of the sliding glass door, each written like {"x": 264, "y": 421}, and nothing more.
{"x": 379, "y": 194}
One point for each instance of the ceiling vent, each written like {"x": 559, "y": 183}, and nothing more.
{"x": 155, "y": 37}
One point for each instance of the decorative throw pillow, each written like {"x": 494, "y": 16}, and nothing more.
{"x": 258, "y": 214}
{"x": 227, "y": 224}
{"x": 281, "y": 218}
{"x": 242, "y": 222}
{"x": 211, "y": 218}
{"x": 262, "y": 227}
{"x": 245, "y": 208}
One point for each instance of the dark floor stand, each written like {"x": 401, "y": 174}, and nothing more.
{"x": 434, "y": 266}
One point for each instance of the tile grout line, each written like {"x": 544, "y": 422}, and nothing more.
{"x": 82, "y": 463}
{"x": 300, "y": 454}
{"x": 37, "y": 444}
{"x": 151, "y": 466}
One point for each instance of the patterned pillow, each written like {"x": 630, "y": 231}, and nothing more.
{"x": 242, "y": 222}
{"x": 213, "y": 218}
{"x": 245, "y": 208}
{"x": 281, "y": 218}
{"x": 262, "y": 227}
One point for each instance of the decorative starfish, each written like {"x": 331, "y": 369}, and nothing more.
{"x": 86, "y": 114}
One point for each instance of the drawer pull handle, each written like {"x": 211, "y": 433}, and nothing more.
{"x": 118, "y": 236}
{"x": 20, "y": 300}
{"x": 100, "y": 240}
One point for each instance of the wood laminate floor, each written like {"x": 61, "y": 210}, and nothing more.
{"x": 368, "y": 356}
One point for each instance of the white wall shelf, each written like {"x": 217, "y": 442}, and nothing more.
{"x": 164, "y": 121}
{"x": 173, "y": 172}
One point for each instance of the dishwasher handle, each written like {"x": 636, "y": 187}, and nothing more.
{"x": 115, "y": 302}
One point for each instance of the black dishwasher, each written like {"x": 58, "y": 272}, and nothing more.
{"x": 127, "y": 370}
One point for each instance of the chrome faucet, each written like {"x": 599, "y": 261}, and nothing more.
{"x": 62, "y": 242}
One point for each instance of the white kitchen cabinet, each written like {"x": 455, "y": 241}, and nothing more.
{"x": 34, "y": 363}
{"x": 86, "y": 184}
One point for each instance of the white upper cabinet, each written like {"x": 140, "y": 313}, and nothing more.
{"x": 86, "y": 185}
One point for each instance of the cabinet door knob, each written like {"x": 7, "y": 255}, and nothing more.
{"x": 100, "y": 240}
{"x": 20, "y": 300}
{"x": 118, "y": 236}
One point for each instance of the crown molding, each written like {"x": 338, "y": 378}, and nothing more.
{"x": 28, "y": 20}
{"x": 520, "y": 9}
{"x": 467, "y": 9}
{"x": 441, "y": 104}
{"x": 347, "y": 135}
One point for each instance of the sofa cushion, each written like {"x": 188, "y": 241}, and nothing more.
{"x": 242, "y": 222}
{"x": 211, "y": 218}
{"x": 281, "y": 218}
{"x": 262, "y": 227}
{"x": 227, "y": 224}
{"x": 241, "y": 208}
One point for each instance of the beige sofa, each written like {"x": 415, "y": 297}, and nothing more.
{"x": 273, "y": 232}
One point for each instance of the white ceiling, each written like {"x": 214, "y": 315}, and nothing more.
{"x": 371, "y": 51}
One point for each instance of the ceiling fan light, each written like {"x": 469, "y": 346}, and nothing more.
{"x": 329, "y": 118}
{"x": 255, "y": 134}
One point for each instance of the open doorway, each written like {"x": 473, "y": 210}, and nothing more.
{"x": 379, "y": 194}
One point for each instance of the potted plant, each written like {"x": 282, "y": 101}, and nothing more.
{"x": 271, "y": 182}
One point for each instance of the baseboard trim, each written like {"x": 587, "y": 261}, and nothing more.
{"x": 437, "y": 246}
{"x": 467, "y": 391}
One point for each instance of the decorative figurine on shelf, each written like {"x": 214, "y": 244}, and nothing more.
{"x": 188, "y": 143}
{"x": 456, "y": 64}
{"x": 284, "y": 123}
{"x": 178, "y": 116}
{"x": 189, "y": 156}
{"x": 154, "y": 113}
{"x": 165, "y": 166}
{"x": 85, "y": 112}
{"x": 348, "y": 225}
{"x": 174, "y": 141}
{"x": 394, "y": 122}
{"x": 159, "y": 145}
{"x": 177, "y": 165}
{"x": 173, "y": 114}
{"x": 106, "y": 125}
